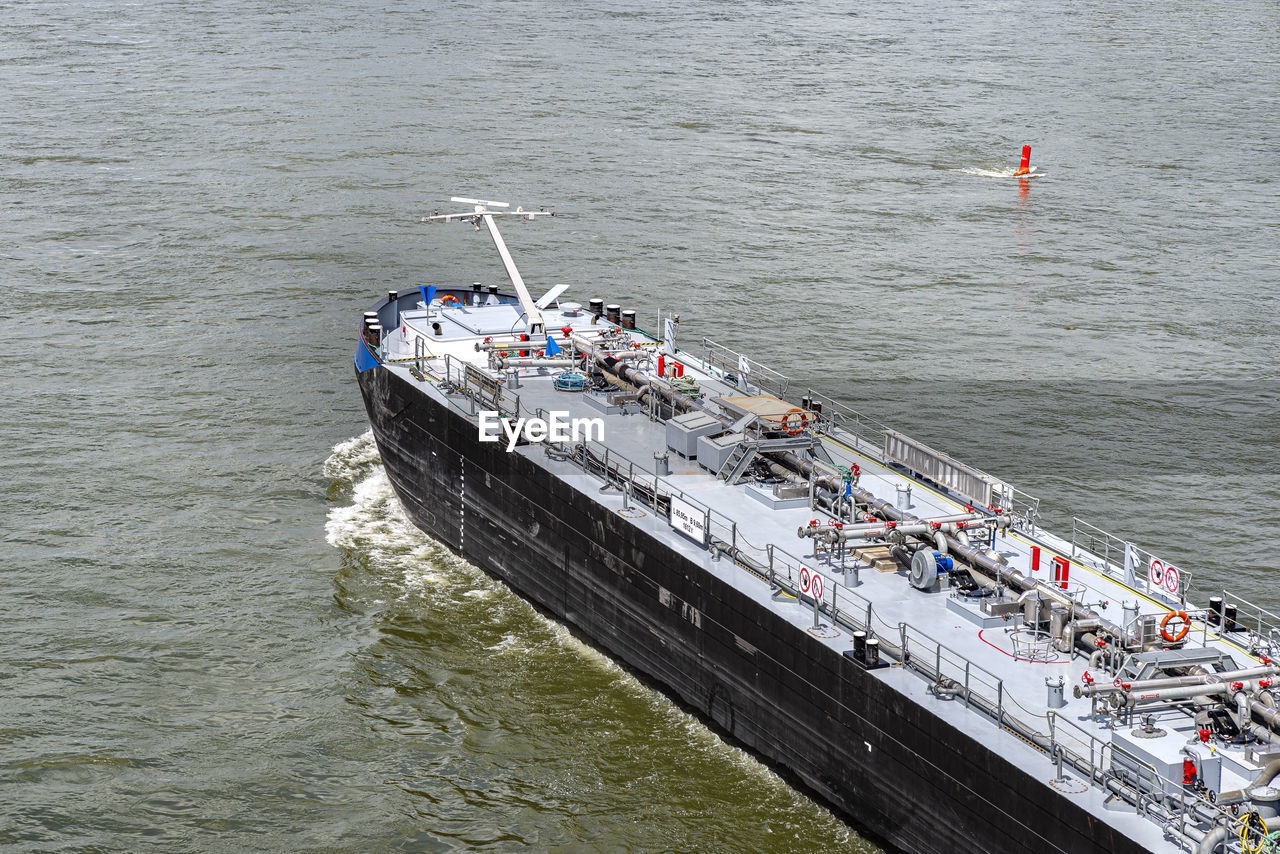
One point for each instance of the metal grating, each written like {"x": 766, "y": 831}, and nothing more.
{"x": 938, "y": 467}
{"x": 486, "y": 389}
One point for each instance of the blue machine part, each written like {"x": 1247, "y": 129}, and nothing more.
{"x": 571, "y": 381}
{"x": 943, "y": 562}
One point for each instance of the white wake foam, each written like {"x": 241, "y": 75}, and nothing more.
{"x": 374, "y": 525}
{"x": 1005, "y": 172}
{"x": 351, "y": 460}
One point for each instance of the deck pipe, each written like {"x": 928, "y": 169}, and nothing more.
{"x": 1201, "y": 678}
{"x": 927, "y": 527}
{"x": 515, "y": 342}
{"x": 1256, "y": 709}
{"x": 504, "y": 362}
{"x": 519, "y": 339}
{"x": 1247, "y": 713}
{"x": 1212, "y": 841}
{"x": 645, "y": 384}
{"x": 1268, "y": 716}
{"x": 1184, "y": 692}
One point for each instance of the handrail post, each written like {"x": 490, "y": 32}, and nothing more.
{"x": 966, "y": 683}
{"x": 1000, "y": 703}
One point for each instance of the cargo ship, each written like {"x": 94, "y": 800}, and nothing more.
{"x": 892, "y": 626}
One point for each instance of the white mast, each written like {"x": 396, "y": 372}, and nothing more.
{"x": 482, "y": 213}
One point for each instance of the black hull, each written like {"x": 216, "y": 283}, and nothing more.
{"x": 898, "y": 771}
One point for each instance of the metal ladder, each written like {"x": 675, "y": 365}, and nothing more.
{"x": 737, "y": 463}
{"x": 745, "y": 453}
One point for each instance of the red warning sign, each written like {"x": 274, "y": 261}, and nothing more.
{"x": 810, "y": 583}
{"x": 1164, "y": 575}
{"x": 1156, "y": 572}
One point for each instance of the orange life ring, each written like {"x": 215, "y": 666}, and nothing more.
{"x": 1164, "y": 626}
{"x": 448, "y": 299}
{"x": 794, "y": 422}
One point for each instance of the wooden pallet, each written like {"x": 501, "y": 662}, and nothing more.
{"x": 878, "y": 557}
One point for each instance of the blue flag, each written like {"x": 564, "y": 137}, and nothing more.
{"x": 428, "y": 293}
{"x": 553, "y": 349}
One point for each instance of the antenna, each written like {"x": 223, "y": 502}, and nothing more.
{"x": 481, "y": 213}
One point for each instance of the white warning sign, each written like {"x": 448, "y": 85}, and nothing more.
{"x": 810, "y": 583}
{"x": 689, "y": 520}
{"x": 1165, "y": 575}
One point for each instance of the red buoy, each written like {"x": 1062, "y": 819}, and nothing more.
{"x": 1025, "y": 166}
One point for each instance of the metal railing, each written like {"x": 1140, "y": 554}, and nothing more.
{"x": 1106, "y": 553}
{"x": 1253, "y": 616}
{"x": 728, "y": 364}
{"x": 868, "y": 433}
{"x": 869, "y": 437}
{"x": 460, "y": 376}
{"x": 979, "y": 687}
{"x": 1068, "y": 740}
{"x": 1263, "y": 625}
